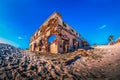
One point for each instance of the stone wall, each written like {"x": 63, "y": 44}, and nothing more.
{"x": 67, "y": 39}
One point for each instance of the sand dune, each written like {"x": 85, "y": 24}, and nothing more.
{"x": 102, "y": 63}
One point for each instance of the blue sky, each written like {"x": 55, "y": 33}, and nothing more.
{"x": 95, "y": 20}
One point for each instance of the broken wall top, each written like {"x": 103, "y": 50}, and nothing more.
{"x": 60, "y": 22}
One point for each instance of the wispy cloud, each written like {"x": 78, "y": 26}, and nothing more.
{"x": 20, "y": 38}
{"x": 2, "y": 40}
{"x": 103, "y": 26}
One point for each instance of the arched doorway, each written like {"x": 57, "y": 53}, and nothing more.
{"x": 52, "y": 46}
{"x": 51, "y": 38}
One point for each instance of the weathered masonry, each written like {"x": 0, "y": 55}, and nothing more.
{"x": 65, "y": 39}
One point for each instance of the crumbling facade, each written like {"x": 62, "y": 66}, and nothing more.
{"x": 67, "y": 39}
{"x": 118, "y": 40}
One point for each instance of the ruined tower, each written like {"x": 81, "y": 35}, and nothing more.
{"x": 66, "y": 39}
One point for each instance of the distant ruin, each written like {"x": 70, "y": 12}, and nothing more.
{"x": 66, "y": 39}
{"x": 118, "y": 40}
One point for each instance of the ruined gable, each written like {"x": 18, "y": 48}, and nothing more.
{"x": 118, "y": 40}
{"x": 67, "y": 39}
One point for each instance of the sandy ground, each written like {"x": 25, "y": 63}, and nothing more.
{"x": 102, "y": 63}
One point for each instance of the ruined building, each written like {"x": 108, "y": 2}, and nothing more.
{"x": 66, "y": 38}
{"x": 118, "y": 40}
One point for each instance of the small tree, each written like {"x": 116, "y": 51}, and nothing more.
{"x": 110, "y": 39}
{"x": 95, "y": 45}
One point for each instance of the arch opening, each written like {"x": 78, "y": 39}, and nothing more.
{"x": 51, "y": 38}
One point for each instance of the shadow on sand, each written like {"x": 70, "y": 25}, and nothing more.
{"x": 72, "y": 60}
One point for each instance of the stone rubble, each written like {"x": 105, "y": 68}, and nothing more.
{"x": 16, "y": 64}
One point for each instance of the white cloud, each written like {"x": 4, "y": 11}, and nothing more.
{"x": 103, "y": 26}
{"x": 2, "y": 40}
{"x": 20, "y": 38}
